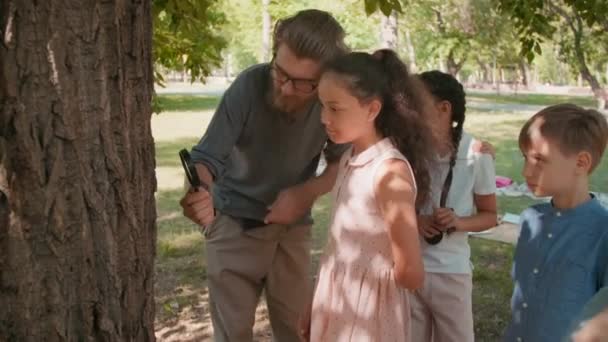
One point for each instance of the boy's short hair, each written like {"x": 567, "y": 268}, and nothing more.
{"x": 572, "y": 128}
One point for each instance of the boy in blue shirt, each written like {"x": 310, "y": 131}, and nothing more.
{"x": 561, "y": 258}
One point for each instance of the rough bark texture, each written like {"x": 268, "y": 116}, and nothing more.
{"x": 77, "y": 209}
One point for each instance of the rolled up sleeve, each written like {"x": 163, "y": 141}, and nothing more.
{"x": 225, "y": 128}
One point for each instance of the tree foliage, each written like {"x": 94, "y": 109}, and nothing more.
{"x": 186, "y": 37}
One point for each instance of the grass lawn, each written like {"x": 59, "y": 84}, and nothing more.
{"x": 174, "y": 103}
{"x": 533, "y": 99}
{"x": 181, "y": 297}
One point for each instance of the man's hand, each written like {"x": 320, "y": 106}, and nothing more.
{"x": 290, "y": 205}
{"x": 198, "y": 206}
{"x": 304, "y": 325}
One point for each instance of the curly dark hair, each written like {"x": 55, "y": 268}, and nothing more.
{"x": 446, "y": 87}
{"x": 402, "y": 117}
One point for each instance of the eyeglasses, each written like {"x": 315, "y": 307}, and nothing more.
{"x": 300, "y": 84}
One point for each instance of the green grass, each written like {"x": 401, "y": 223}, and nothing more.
{"x": 502, "y": 130}
{"x": 533, "y": 99}
{"x": 492, "y": 287}
{"x": 181, "y": 103}
{"x": 180, "y": 265}
{"x": 167, "y": 151}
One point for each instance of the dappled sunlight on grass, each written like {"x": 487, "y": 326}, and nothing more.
{"x": 180, "y": 285}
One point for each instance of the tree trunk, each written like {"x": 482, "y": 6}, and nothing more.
{"x": 266, "y": 31}
{"x": 575, "y": 22}
{"x": 485, "y": 71}
{"x": 453, "y": 66}
{"x": 388, "y": 31}
{"x": 77, "y": 222}
{"x": 525, "y": 73}
{"x": 412, "y": 52}
{"x": 600, "y": 93}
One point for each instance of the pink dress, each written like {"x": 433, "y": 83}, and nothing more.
{"x": 356, "y": 297}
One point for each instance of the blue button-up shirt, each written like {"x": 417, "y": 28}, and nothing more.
{"x": 561, "y": 261}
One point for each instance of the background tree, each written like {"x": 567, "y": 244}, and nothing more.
{"x": 538, "y": 21}
{"x": 77, "y": 208}
{"x": 389, "y": 31}
{"x": 186, "y": 37}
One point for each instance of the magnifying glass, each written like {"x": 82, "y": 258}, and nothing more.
{"x": 190, "y": 170}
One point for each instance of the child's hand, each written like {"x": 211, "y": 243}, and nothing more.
{"x": 427, "y": 226}
{"x": 594, "y": 330}
{"x": 445, "y": 218}
{"x": 290, "y": 205}
{"x": 304, "y": 326}
{"x": 485, "y": 147}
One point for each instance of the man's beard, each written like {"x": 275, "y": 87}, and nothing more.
{"x": 288, "y": 105}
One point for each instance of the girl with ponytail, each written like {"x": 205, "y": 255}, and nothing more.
{"x": 462, "y": 200}
{"x": 373, "y": 250}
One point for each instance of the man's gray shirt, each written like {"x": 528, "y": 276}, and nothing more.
{"x": 253, "y": 151}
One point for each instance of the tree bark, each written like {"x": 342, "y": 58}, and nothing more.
{"x": 389, "y": 31}
{"x": 77, "y": 218}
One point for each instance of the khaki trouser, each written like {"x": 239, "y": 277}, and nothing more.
{"x": 442, "y": 310}
{"x": 240, "y": 264}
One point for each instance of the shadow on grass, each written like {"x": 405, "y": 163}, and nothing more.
{"x": 180, "y": 289}
{"x": 182, "y": 312}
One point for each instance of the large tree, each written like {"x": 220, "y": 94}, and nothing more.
{"x": 77, "y": 208}
{"x": 538, "y": 21}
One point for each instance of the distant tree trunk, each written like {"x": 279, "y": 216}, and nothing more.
{"x": 453, "y": 66}
{"x": 228, "y": 66}
{"x": 485, "y": 71}
{"x": 412, "y": 52}
{"x": 77, "y": 182}
{"x": 266, "y": 31}
{"x": 389, "y": 31}
{"x": 525, "y": 73}
{"x": 575, "y": 22}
